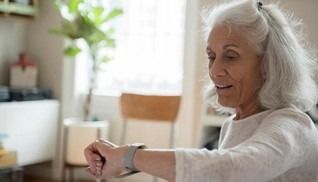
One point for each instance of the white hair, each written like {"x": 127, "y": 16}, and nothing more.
{"x": 289, "y": 63}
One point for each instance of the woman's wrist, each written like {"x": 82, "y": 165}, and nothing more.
{"x": 138, "y": 159}
{"x": 130, "y": 156}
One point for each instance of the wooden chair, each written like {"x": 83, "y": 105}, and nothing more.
{"x": 149, "y": 108}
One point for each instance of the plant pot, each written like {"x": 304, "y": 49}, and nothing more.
{"x": 78, "y": 134}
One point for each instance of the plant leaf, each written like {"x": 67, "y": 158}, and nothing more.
{"x": 57, "y": 32}
{"x": 115, "y": 12}
{"x": 97, "y": 13}
{"x": 73, "y": 5}
{"x": 72, "y": 51}
{"x": 58, "y": 4}
{"x": 84, "y": 20}
{"x": 105, "y": 59}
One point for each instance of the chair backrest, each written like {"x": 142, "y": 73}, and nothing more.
{"x": 150, "y": 107}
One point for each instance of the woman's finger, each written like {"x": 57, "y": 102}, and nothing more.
{"x": 91, "y": 173}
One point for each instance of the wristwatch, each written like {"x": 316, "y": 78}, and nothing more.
{"x": 129, "y": 159}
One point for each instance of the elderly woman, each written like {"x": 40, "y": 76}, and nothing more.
{"x": 262, "y": 71}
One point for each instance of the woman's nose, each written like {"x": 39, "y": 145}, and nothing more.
{"x": 217, "y": 69}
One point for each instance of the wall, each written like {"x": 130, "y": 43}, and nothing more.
{"x": 307, "y": 11}
{"x": 45, "y": 48}
{"x": 12, "y": 36}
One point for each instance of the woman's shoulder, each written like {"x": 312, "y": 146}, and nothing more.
{"x": 288, "y": 115}
{"x": 291, "y": 111}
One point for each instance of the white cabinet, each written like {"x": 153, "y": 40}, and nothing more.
{"x": 32, "y": 129}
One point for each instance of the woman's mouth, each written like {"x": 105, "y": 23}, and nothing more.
{"x": 223, "y": 86}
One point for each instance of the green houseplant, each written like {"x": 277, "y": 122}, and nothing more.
{"x": 84, "y": 21}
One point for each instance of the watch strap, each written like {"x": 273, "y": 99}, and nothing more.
{"x": 130, "y": 155}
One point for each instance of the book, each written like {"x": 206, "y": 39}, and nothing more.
{"x": 8, "y": 159}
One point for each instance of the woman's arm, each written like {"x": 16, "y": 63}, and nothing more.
{"x": 160, "y": 163}
{"x": 107, "y": 160}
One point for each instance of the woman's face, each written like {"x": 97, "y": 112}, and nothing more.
{"x": 234, "y": 68}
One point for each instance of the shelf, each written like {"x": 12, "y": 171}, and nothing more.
{"x": 11, "y": 9}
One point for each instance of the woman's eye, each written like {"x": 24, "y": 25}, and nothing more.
{"x": 231, "y": 55}
{"x": 211, "y": 58}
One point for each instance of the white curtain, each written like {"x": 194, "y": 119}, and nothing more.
{"x": 149, "y": 51}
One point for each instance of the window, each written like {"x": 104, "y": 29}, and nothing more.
{"x": 149, "y": 47}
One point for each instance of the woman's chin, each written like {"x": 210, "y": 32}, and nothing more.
{"x": 224, "y": 103}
